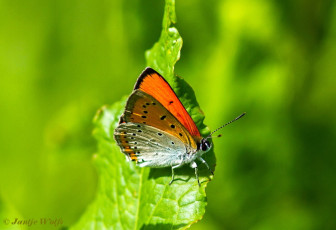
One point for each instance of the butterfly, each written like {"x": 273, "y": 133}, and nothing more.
{"x": 155, "y": 129}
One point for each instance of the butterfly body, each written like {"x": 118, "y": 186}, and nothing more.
{"x": 155, "y": 129}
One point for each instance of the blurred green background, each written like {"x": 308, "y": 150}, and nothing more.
{"x": 276, "y": 60}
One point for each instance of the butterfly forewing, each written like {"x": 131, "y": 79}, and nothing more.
{"x": 144, "y": 109}
{"x": 152, "y": 83}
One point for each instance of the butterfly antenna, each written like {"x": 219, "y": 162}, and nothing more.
{"x": 237, "y": 118}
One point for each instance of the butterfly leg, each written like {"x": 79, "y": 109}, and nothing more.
{"x": 206, "y": 164}
{"x": 194, "y": 166}
{"x": 172, "y": 168}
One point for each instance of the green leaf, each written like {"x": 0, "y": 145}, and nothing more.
{"x": 130, "y": 197}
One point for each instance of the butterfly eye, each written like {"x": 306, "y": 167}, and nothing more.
{"x": 205, "y": 145}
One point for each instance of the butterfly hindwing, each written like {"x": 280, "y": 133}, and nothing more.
{"x": 149, "y": 146}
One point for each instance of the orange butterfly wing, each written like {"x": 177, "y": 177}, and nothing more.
{"x": 152, "y": 83}
{"x": 142, "y": 108}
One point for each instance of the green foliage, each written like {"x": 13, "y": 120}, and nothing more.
{"x": 61, "y": 60}
{"x": 130, "y": 197}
